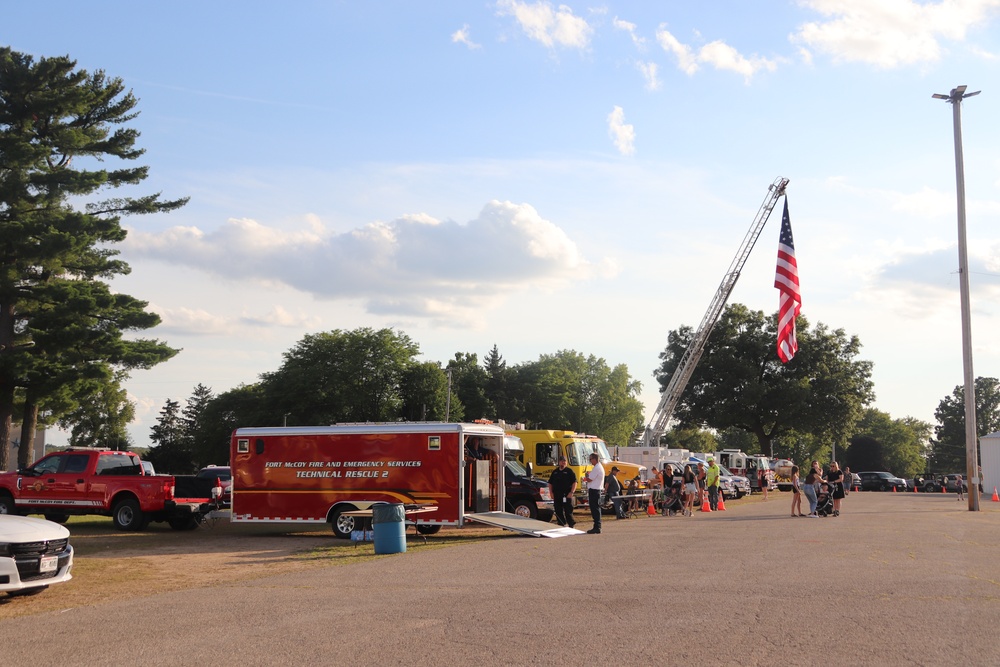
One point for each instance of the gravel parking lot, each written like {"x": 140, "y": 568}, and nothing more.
{"x": 897, "y": 579}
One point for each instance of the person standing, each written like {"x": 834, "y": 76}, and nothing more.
{"x": 848, "y": 481}
{"x": 959, "y": 484}
{"x": 836, "y": 480}
{"x": 690, "y": 480}
{"x": 613, "y": 490}
{"x": 562, "y": 484}
{"x": 701, "y": 484}
{"x": 712, "y": 483}
{"x": 762, "y": 481}
{"x": 809, "y": 488}
{"x": 796, "y": 493}
{"x": 594, "y": 479}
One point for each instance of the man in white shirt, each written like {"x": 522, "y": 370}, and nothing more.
{"x": 594, "y": 479}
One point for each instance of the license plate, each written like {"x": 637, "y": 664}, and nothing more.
{"x": 48, "y": 564}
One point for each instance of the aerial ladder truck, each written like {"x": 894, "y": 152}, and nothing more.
{"x": 689, "y": 360}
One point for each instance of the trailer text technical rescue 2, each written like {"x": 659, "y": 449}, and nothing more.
{"x": 455, "y": 472}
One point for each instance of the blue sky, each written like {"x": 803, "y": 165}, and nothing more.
{"x": 547, "y": 176}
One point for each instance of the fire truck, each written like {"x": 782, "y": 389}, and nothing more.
{"x": 747, "y": 465}
{"x": 450, "y": 473}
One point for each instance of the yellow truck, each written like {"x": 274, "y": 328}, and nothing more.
{"x": 542, "y": 448}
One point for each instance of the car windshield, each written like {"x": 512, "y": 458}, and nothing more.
{"x": 723, "y": 470}
{"x": 222, "y": 473}
{"x": 602, "y": 451}
{"x": 515, "y": 467}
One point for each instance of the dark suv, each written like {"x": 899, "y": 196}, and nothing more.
{"x": 225, "y": 477}
{"x": 881, "y": 481}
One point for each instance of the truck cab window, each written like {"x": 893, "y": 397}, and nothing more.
{"x": 76, "y": 463}
{"x": 547, "y": 453}
{"x": 48, "y": 466}
{"x": 113, "y": 464}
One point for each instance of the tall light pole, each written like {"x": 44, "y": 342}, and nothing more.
{"x": 971, "y": 459}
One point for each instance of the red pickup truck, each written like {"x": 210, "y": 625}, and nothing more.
{"x": 109, "y": 483}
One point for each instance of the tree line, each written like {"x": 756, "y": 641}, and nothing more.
{"x": 375, "y": 375}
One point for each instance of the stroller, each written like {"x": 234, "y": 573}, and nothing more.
{"x": 673, "y": 500}
{"x": 824, "y": 500}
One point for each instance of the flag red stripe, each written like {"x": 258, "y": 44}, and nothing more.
{"x": 786, "y": 279}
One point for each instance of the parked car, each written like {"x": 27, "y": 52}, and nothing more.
{"x": 950, "y": 482}
{"x": 225, "y": 477}
{"x": 34, "y": 554}
{"x": 881, "y": 481}
{"x": 737, "y": 486}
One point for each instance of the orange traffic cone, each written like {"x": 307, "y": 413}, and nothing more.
{"x": 650, "y": 510}
{"x": 942, "y": 488}
{"x": 705, "y": 507}
{"x": 996, "y": 498}
{"x": 914, "y": 488}
{"x": 722, "y": 503}
{"x": 894, "y": 489}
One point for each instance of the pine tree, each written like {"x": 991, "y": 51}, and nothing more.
{"x": 60, "y": 325}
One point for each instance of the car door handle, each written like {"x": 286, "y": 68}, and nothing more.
{"x": 51, "y": 481}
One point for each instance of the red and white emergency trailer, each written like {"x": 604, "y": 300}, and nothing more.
{"x": 314, "y": 474}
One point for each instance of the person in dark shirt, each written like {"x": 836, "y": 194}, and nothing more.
{"x": 613, "y": 488}
{"x": 562, "y": 484}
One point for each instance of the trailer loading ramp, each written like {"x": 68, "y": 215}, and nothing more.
{"x": 523, "y": 525}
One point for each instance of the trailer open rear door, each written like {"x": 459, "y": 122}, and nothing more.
{"x": 520, "y": 524}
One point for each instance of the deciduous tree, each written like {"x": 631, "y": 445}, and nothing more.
{"x": 740, "y": 382}
{"x": 948, "y": 446}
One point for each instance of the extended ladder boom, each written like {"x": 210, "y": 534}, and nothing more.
{"x": 689, "y": 360}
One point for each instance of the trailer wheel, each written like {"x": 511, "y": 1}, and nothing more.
{"x": 342, "y": 525}
{"x": 525, "y": 508}
{"x": 127, "y": 515}
{"x": 428, "y": 529}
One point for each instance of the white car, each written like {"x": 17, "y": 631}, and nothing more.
{"x": 34, "y": 553}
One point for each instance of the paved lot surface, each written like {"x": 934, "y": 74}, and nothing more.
{"x": 897, "y": 579}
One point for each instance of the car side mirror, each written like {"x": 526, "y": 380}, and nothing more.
{"x": 531, "y": 469}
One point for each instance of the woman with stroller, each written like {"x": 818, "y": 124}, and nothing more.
{"x": 813, "y": 479}
{"x": 796, "y": 493}
{"x": 836, "y": 480}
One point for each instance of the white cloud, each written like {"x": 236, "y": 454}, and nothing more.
{"x": 686, "y": 61}
{"x": 890, "y": 33}
{"x": 619, "y": 24}
{"x": 551, "y": 27}
{"x": 622, "y": 134}
{"x": 413, "y": 265}
{"x": 461, "y": 36}
{"x": 717, "y": 54}
{"x": 724, "y": 57}
{"x": 649, "y": 73}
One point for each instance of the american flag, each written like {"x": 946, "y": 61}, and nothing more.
{"x": 786, "y": 279}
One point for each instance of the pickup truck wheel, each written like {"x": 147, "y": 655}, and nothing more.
{"x": 127, "y": 515}
{"x": 343, "y": 525}
{"x": 183, "y": 523}
{"x": 525, "y": 508}
{"x": 426, "y": 529}
{"x": 929, "y": 488}
{"x": 7, "y": 504}
{"x": 57, "y": 518}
